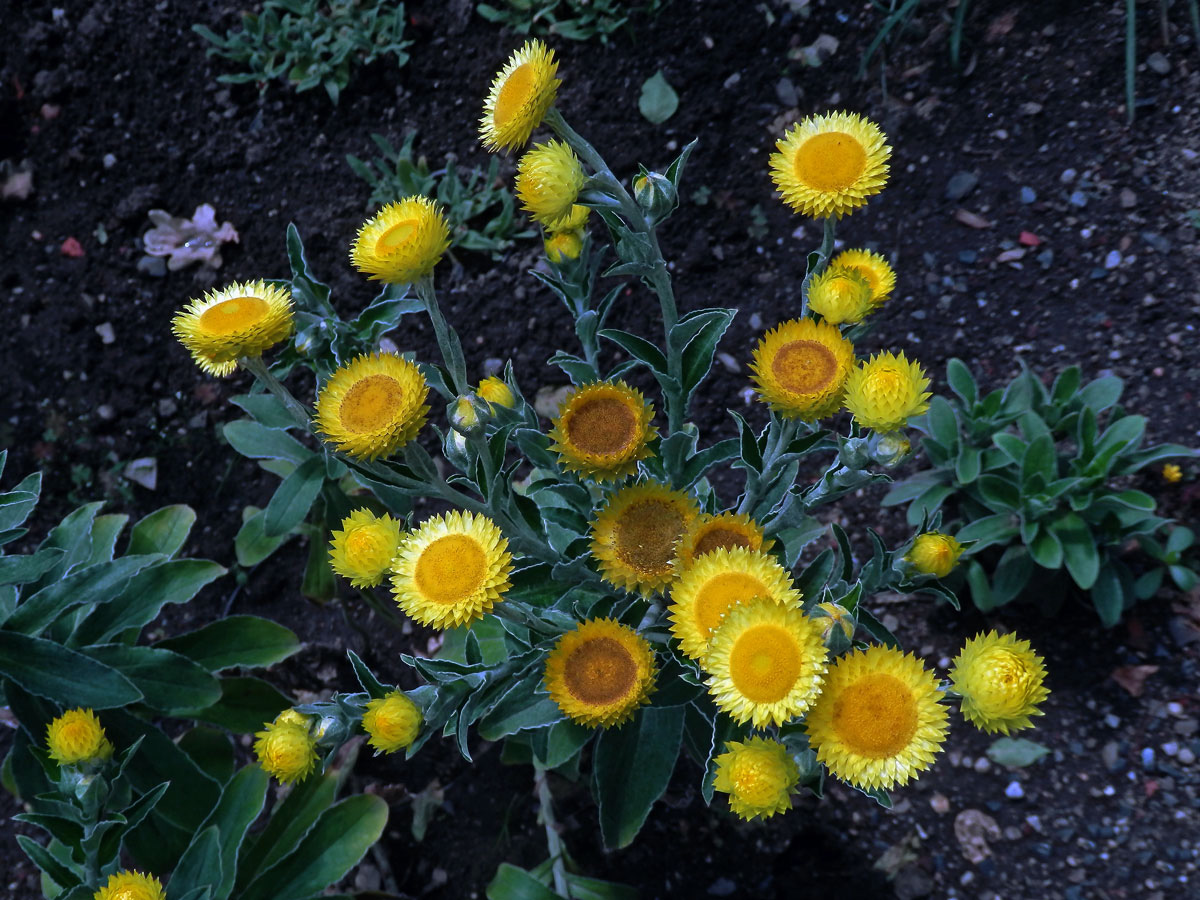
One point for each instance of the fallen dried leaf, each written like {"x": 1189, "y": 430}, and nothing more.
{"x": 970, "y": 219}
{"x": 899, "y": 855}
{"x": 974, "y": 829}
{"x": 1132, "y": 678}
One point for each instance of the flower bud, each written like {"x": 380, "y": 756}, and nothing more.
{"x": 655, "y": 195}
{"x": 466, "y": 416}
{"x": 934, "y": 553}
{"x": 493, "y": 391}
{"x": 563, "y": 245}
{"x": 889, "y": 449}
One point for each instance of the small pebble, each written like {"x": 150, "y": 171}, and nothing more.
{"x": 1175, "y": 708}
{"x": 1158, "y": 63}
{"x": 1113, "y": 259}
{"x": 1028, "y": 195}
{"x": 1078, "y": 198}
{"x": 1171, "y": 748}
{"x": 1067, "y": 176}
{"x": 1014, "y": 791}
{"x": 492, "y": 366}
{"x": 105, "y": 330}
{"x": 109, "y": 160}
{"x": 105, "y": 412}
{"x": 982, "y": 764}
{"x": 1186, "y": 756}
{"x": 940, "y": 804}
{"x": 961, "y": 184}
{"x": 1147, "y": 757}
{"x": 1112, "y": 721}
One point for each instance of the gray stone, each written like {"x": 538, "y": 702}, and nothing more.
{"x": 1111, "y": 755}
{"x": 154, "y": 266}
{"x": 1158, "y": 63}
{"x": 167, "y": 407}
{"x": 786, "y": 92}
{"x": 961, "y": 184}
{"x": 1067, "y": 176}
{"x": 1014, "y": 791}
{"x": 1113, "y": 259}
{"x": 105, "y": 330}
{"x": 1078, "y": 198}
{"x": 912, "y": 883}
{"x": 1157, "y": 241}
{"x": 1028, "y": 195}
{"x": 1128, "y": 198}
{"x": 722, "y": 887}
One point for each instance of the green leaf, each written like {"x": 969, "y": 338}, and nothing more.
{"x": 174, "y": 581}
{"x": 163, "y": 531}
{"x": 235, "y": 641}
{"x": 1079, "y": 549}
{"x": 366, "y": 678}
{"x": 512, "y": 883}
{"x": 1011, "y": 445}
{"x": 751, "y": 449}
{"x": 699, "y": 351}
{"x": 1066, "y": 386}
{"x": 1046, "y": 548}
{"x": 24, "y": 569}
{"x": 1012, "y": 574}
{"x": 245, "y": 704}
{"x": 15, "y": 507}
{"x": 239, "y": 806}
{"x": 959, "y": 377}
{"x": 210, "y": 749}
{"x": 943, "y": 426}
{"x": 1102, "y": 393}
{"x": 1039, "y": 462}
{"x": 266, "y": 409}
{"x": 339, "y": 839}
{"x": 289, "y": 822}
{"x": 95, "y": 584}
{"x": 968, "y": 464}
{"x": 563, "y": 740}
{"x": 998, "y": 492}
{"x": 50, "y": 670}
{"x": 658, "y": 101}
{"x": 58, "y": 873}
{"x": 200, "y": 865}
{"x": 523, "y": 707}
{"x": 1016, "y": 753}
{"x": 252, "y": 543}
{"x": 167, "y": 680}
{"x": 1108, "y": 597}
{"x": 631, "y": 767}
{"x": 256, "y": 441}
{"x": 997, "y": 529}
{"x": 294, "y": 497}
{"x": 637, "y": 347}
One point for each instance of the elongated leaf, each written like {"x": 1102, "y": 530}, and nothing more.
{"x": 267, "y": 409}
{"x": 340, "y": 838}
{"x": 1079, "y": 549}
{"x": 997, "y": 529}
{"x": 167, "y": 680}
{"x": 73, "y": 536}
{"x": 366, "y": 678}
{"x": 1107, "y": 596}
{"x": 16, "y": 505}
{"x": 24, "y": 569}
{"x": 174, "y": 581}
{"x": 49, "y": 669}
{"x": 252, "y": 543}
{"x": 95, "y": 584}
{"x": 235, "y": 641}
{"x": 632, "y": 767}
{"x": 245, "y": 704}
{"x": 210, "y": 749}
{"x": 256, "y": 441}
{"x": 200, "y": 865}
{"x": 959, "y": 377}
{"x": 699, "y": 352}
{"x": 163, "y": 531}
{"x": 512, "y": 883}
{"x": 289, "y": 822}
{"x": 639, "y": 348}
{"x": 294, "y": 497}
{"x": 105, "y": 531}
{"x": 240, "y": 803}
{"x": 56, "y": 871}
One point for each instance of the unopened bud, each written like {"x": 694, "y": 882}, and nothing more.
{"x": 464, "y": 416}
{"x": 563, "y": 245}
{"x": 655, "y": 195}
{"x": 889, "y": 449}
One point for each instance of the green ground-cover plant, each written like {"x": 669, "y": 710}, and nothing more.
{"x": 1036, "y": 475}
{"x": 575, "y": 20}
{"x": 477, "y": 202}
{"x": 311, "y": 43}
{"x": 72, "y": 612}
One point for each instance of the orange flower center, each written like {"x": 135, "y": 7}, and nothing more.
{"x": 830, "y": 162}
{"x": 722, "y": 593}
{"x": 804, "y": 367}
{"x": 718, "y": 538}
{"x": 876, "y": 716}
{"x": 396, "y": 236}
{"x": 514, "y": 93}
{"x": 371, "y": 404}
{"x": 604, "y": 426}
{"x": 236, "y": 314}
{"x": 646, "y": 534}
{"x": 765, "y": 663}
{"x": 600, "y": 671}
{"x": 450, "y": 569}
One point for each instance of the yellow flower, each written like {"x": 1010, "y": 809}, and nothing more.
{"x": 451, "y": 570}
{"x": 602, "y": 430}
{"x": 717, "y": 582}
{"x": 292, "y": 717}
{"x": 286, "y": 751}
{"x": 634, "y": 536}
{"x": 494, "y": 391}
{"x": 1172, "y": 474}
{"x": 392, "y": 722}
{"x": 402, "y": 242}
{"x": 758, "y": 775}
{"x": 1000, "y": 679}
{"x": 243, "y": 319}
{"x": 519, "y": 98}
{"x": 878, "y": 722}
{"x": 829, "y": 165}
{"x": 885, "y": 391}
{"x": 362, "y": 551}
{"x": 574, "y": 221}
{"x": 765, "y": 663}
{"x": 840, "y": 296}
{"x": 801, "y": 368}
{"x": 76, "y": 737}
{"x": 600, "y": 673}
{"x": 130, "y": 885}
{"x": 563, "y": 245}
{"x": 549, "y": 179}
{"x": 728, "y": 530}
{"x": 373, "y": 406}
{"x": 934, "y": 553}
{"x": 871, "y": 266}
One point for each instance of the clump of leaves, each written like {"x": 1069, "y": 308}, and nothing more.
{"x": 576, "y": 20}
{"x": 477, "y": 202}
{"x": 310, "y": 42}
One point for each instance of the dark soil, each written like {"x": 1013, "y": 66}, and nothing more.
{"x": 1037, "y": 117}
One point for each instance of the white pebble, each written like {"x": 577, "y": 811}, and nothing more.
{"x": 1170, "y": 748}
{"x": 1113, "y": 259}
{"x": 1014, "y": 791}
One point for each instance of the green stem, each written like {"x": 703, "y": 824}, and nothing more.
{"x": 824, "y": 253}
{"x": 258, "y": 368}
{"x": 553, "y": 840}
{"x": 780, "y": 433}
{"x": 447, "y": 337}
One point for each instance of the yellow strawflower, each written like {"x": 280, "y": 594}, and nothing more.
{"x": 885, "y": 391}
{"x": 493, "y": 390}
{"x": 828, "y": 165}
{"x": 451, "y": 570}
{"x": 602, "y": 430}
{"x": 392, "y": 722}
{"x": 600, "y": 673}
{"x": 76, "y": 737}
{"x": 363, "y": 550}
{"x": 727, "y": 531}
{"x": 840, "y": 296}
{"x": 1000, "y": 680}
{"x": 243, "y": 319}
{"x": 1172, "y": 474}
{"x": 635, "y": 535}
{"x": 549, "y": 179}
{"x": 881, "y": 279}
{"x": 519, "y": 97}
{"x": 373, "y": 406}
{"x": 286, "y": 750}
{"x": 402, "y": 242}
{"x": 130, "y": 885}
{"x": 758, "y": 775}
{"x": 934, "y": 553}
{"x": 563, "y": 245}
{"x": 801, "y": 367}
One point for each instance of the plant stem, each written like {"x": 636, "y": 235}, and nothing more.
{"x": 780, "y": 433}
{"x": 824, "y": 253}
{"x": 447, "y": 337}
{"x": 553, "y": 841}
{"x": 258, "y": 368}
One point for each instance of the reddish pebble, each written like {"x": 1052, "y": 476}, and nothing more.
{"x": 71, "y": 247}
{"x": 1151, "y": 788}
{"x": 50, "y": 111}
{"x": 1029, "y": 239}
